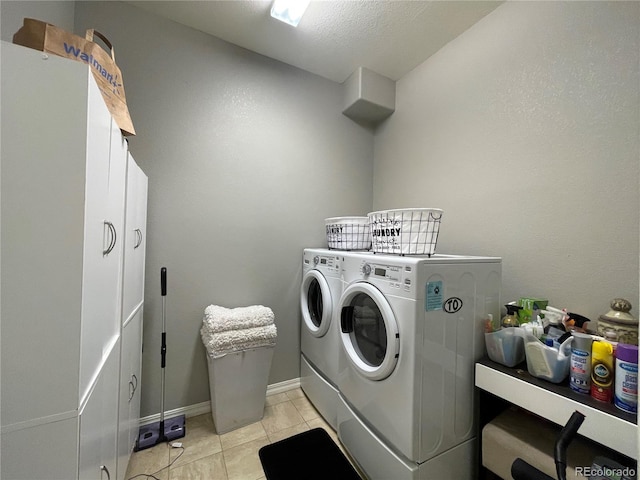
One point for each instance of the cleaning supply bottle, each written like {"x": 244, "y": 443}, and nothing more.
{"x": 511, "y": 318}
{"x": 626, "y": 390}
{"x": 489, "y": 326}
{"x": 580, "y": 370}
{"x": 602, "y": 371}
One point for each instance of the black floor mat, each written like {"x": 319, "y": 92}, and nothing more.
{"x": 309, "y": 455}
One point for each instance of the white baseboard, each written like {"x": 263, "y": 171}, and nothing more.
{"x": 283, "y": 386}
{"x": 205, "y": 407}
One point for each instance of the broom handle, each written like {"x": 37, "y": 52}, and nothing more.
{"x": 163, "y": 347}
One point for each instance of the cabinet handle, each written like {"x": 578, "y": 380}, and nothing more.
{"x": 133, "y": 385}
{"x": 107, "y": 234}
{"x": 112, "y": 238}
{"x": 103, "y": 468}
{"x": 115, "y": 237}
{"x": 138, "y": 238}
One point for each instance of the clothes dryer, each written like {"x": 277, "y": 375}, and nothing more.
{"x": 411, "y": 332}
{"x": 319, "y": 330}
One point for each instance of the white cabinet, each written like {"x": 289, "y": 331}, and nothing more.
{"x": 135, "y": 240}
{"x": 132, "y": 309}
{"x": 130, "y": 383}
{"x": 104, "y": 235}
{"x": 99, "y": 422}
{"x": 57, "y": 317}
{"x": 63, "y": 241}
{"x": 55, "y": 459}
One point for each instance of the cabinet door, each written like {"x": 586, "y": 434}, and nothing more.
{"x": 119, "y": 152}
{"x": 42, "y": 452}
{"x": 136, "y": 368}
{"x": 98, "y": 423}
{"x": 130, "y": 388}
{"x": 104, "y": 218}
{"x": 136, "y": 239}
{"x": 43, "y": 117}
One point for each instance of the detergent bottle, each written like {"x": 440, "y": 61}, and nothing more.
{"x": 511, "y": 318}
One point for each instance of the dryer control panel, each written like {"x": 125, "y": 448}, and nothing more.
{"x": 396, "y": 277}
{"x": 393, "y": 273}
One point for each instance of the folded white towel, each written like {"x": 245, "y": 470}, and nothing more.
{"x": 222, "y": 343}
{"x": 221, "y": 319}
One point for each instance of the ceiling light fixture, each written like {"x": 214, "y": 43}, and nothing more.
{"x": 289, "y": 11}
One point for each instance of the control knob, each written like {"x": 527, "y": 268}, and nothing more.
{"x": 316, "y": 260}
{"x": 366, "y": 269}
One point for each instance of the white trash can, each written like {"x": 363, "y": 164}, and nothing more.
{"x": 238, "y": 387}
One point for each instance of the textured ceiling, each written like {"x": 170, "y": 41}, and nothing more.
{"x": 334, "y": 37}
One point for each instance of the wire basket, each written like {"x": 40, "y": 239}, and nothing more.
{"x": 348, "y": 233}
{"x": 405, "y": 231}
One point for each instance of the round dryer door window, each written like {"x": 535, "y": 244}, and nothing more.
{"x": 315, "y": 303}
{"x": 369, "y": 331}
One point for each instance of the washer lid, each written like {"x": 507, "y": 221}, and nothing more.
{"x": 369, "y": 331}
{"x": 315, "y": 303}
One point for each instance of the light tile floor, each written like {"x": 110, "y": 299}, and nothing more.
{"x": 233, "y": 455}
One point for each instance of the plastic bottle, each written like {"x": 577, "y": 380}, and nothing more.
{"x": 534, "y": 330}
{"x": 626, "y": 390}
{"x": 580, "y": 370}
{"x": 488, "y": 324}
{"x": 602, "y": 368}
{"x": 511, "y": 318}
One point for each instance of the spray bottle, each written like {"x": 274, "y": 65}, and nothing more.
{"x": 626, "y": 384}
{"x": 602, "y": 369}
{"x": 580, "y": 372}
{"x": 511, "y": 318}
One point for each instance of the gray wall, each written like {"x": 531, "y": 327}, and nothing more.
{"x": 526, "y": 130}
{"x": 60, "y": 13}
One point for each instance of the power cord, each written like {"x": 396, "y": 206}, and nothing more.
{"x": 153, "y": 475}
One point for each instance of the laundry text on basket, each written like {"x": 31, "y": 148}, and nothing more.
{"x": 386, "y": 232}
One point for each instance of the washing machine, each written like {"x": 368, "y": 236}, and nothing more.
{"x": 319, "y": 330}
{"x": 411, "y": 330}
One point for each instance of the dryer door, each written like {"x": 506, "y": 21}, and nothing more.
{"x": 315, "y": 303}
{"x": 369, "y": 331}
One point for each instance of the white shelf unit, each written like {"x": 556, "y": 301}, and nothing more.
{"x": 606, "y": 428}
{"x": 65, "y": 200}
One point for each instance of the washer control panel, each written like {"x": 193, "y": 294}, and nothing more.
{"x": 326, "y": 262}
